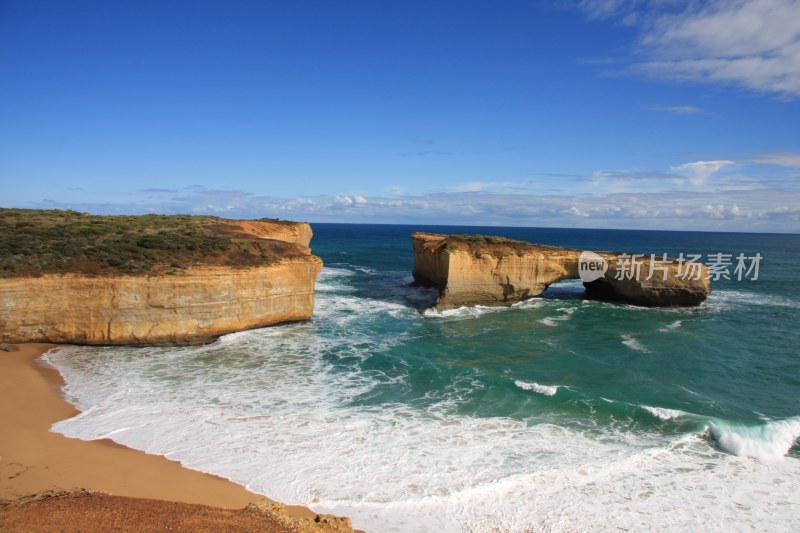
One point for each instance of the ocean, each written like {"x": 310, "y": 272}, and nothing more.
{"x": 554, "y": 414}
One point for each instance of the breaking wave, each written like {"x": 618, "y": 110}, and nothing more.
{"x": 547, "y": 390}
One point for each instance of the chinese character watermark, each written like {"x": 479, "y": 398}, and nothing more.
{"x": 752, "y": 269}
{"x": 689, "y": 267}
{"x": 592, "y": 266}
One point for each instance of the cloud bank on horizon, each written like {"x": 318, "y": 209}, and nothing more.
{"x": 699, "y": 195}
{"x": 702, "y": 103}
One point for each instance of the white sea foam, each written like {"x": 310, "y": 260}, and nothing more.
{"x": 757, "y": 298}
{"x": 553, "y": 321}
{"x": 270, "y": 408}
{"x": 346, "y": 309}
{"x": 768, "y": 441}
{"x": 547, "y": 390}
{"x": 328, "y": 273}
{"x": 664, "y": 413}
{"x": 398, "y": 468}
{"x": 724, "y": 300}
{"x": 530, "y": 303}
{"x": 480, "y": 310}
{"x": 336, "y": 302}
{"x": 671, "y": 326}
{"x": 633, "y": 343}
{"x": 464, "y": 312}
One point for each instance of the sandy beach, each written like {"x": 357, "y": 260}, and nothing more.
{"x": 34, "y": 460}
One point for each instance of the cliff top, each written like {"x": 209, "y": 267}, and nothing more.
{"x": 34, "y": 242}
{"x": 481, "y": 243}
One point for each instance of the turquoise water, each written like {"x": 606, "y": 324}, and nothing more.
{"x": 557, "y": 413}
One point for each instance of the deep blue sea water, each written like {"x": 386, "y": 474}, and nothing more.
{"x": 555, "y": 414}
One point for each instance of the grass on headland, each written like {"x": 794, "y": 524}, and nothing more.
{"x": 494, "y": 244}
{"x": 34, "y": 242}
{"x": 481, "y": 240}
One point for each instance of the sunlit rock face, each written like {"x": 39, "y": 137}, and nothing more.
{"x": 187, "y": 306}
{"x": 475, "y": 270}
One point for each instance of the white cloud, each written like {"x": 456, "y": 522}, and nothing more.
{"x": 729, "y": 28}
{"x": 342, "y": 201}
{"x": 576, "y": 212}
{"x": 678, "y": 109}
{"x": 601, "y": 8}
{"x": 472, "y": 186}
{"x": 754, "y": 44}
{"x": 611, "y": 182}
{"x": 731, "y": 201}
{"x": 764, "y": 210}
{"x": 699, "y": 171}
{"x": 496, "y": 186}
{"x": 791, "y": 160}
{"x": 714, "y": 211}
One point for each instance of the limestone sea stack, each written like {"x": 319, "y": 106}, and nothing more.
{"x": 483, "y": 270}
{"x": 67, "y": 277}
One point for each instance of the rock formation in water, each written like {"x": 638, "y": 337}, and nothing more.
{"x": 173, "y": 281}
{"x": 476, "y": 270}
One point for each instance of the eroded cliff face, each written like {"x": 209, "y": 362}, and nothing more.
{"x": 488, "y": 275}
{"x": 292, "y": 232}
{"x": 191, "y": 307}
{"x": 185, "y": 306}
{"x": 507, "y": 272}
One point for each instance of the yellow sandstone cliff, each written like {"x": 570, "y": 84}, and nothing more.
{"x": 183, "y": 306}
{"x": 497, "y": 271}
{"x": 296, "y": 233}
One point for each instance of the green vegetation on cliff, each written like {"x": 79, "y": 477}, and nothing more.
{"x": 494, "y": 244}
{"x": 43, "y": 241}
{"x": 482, "y": 240}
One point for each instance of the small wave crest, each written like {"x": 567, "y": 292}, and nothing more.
{"x": 547, "y": 390}
{"x": 664, "y": 413}
{"x": 552, "y": 321}
{"x": 461, "y": 312}
{"x": 633, "y": 343}
{"x": 465, "y": 312}
{"x": 672, "y": 326}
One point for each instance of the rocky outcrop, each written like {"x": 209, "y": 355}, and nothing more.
{"x": 473, "y": 270}
{"x": 181, "y": 306}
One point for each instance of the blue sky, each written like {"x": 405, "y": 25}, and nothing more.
{"x": 610, "y": 114}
